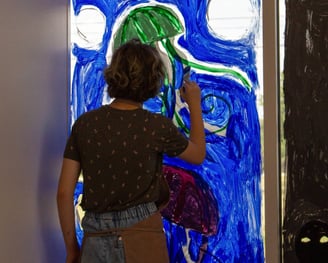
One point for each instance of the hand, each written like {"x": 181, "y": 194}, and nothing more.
{"x": 190, "y": 92}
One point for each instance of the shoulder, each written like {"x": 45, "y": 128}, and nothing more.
{"x": 89, "y": 117}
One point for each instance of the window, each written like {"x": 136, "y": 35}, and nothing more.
{"x": 223, "y": 46}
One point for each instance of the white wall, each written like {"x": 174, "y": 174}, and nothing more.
{"x": 33, "y": 119}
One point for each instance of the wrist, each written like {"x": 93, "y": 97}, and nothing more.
{"x": 194, "y": 105}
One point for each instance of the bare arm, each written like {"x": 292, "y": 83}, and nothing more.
{"x": 196, "y": 149}
{"x": 65, "y": 203}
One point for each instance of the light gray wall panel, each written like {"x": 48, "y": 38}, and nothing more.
{"x": 33, "y": 117}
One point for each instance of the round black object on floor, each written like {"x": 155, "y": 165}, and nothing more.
{"x": 311, "y": 243}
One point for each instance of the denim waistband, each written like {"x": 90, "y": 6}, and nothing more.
{"x": 123, "y": 218}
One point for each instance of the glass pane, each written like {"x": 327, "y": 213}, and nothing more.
{"x": 216, "y": 214}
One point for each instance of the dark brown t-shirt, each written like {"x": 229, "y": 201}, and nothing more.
{"x": 121, "y": 153}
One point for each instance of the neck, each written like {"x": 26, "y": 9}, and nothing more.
{"x": 125, "y": 104}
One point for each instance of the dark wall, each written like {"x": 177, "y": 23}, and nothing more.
{"x": 306, "y": 130}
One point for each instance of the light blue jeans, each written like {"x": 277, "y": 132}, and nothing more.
{"x": 108, "y": 247}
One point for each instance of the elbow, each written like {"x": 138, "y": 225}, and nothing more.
{"x": 202, "y": 154}
{"x": 198, "y": 162}
{"x": 199, "y": 158}
{"x": 194, "y": 154}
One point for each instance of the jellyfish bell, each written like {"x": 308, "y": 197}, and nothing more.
{"x": 192, "y": 203}
{"x": 153, "y": 24}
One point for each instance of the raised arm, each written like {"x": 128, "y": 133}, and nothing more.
{"x": 196, "y": 149}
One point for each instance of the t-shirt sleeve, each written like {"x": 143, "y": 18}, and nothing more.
{"x": 175, "y": 142}
{"x": 72, "y": 149}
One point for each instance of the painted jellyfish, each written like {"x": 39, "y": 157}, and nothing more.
{"x": 214, "y": 215}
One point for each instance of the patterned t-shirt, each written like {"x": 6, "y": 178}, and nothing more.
{"x": 121, "y": 153}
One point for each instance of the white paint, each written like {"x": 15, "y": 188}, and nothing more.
{"x": 231, "y": 19}
{"x": 88, "y": 27}
{"x": 308, "y": 37}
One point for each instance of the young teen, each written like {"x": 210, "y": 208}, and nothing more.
{"x": 119, "y": 149}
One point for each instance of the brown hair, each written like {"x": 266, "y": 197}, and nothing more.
{"x": 136, "y": 72}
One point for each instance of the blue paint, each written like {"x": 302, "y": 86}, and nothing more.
{"x": 78, "y": 191}
{"x": 232, "y": 167}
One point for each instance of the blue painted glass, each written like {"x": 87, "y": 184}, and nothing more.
{"x": 216, "y": 215}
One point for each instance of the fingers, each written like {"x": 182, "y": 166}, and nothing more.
{"x": 190, "y": 87}
{"x": 190, "y": 91}
{"x": 187, "y": 84}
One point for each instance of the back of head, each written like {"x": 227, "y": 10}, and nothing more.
{"x": 136, "y": 72}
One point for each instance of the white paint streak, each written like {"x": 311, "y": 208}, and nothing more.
{"x": 185, "y": 248}
{"x": 308, "y": 38}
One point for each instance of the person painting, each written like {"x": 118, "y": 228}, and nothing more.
{"x": 119, "y": 150}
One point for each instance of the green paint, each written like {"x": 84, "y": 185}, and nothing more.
{"x": 158, "y": 23}
{"x": 149, "y": 24}
{"x": 231, "y": 72}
